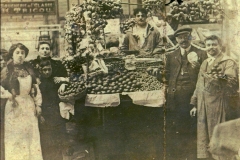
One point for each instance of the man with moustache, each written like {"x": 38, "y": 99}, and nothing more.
{"x": 218, "y": 79}
{"x": 143, "y": 37}
{"x": 181, "y": 76}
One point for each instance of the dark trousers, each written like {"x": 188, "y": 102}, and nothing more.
{"x": 180, "y": 127}
{"x": 53, "y": 141}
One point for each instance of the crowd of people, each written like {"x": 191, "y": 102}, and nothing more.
{"x": 200, "y": 84}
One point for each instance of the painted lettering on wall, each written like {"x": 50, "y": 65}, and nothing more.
{"x": 28, "y": 7}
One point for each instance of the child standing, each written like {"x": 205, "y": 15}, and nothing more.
{"x": 52, "y": 127}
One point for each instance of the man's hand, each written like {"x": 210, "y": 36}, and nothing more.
{"x": 62, "y": 88}
{"x": 193, "y": 112}
{"x": 60, "y": 79}
{"x": 38, "y": 111}
{"x": 195, "y": 64}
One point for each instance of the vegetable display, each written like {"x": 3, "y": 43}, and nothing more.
{"x": 125, "y": 81}
{"x": 74, "y": 90}
{"x": 154, "y": 6}
{"x": 84, "y": 32}
{"x": 86, "y": 22}
{"x": 196, "y": 11}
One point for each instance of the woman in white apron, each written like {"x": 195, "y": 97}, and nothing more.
{"x": 21, "y": 133}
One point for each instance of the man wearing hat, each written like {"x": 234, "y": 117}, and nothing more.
{"x": 182, "y": 67}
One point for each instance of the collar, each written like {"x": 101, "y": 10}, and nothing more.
{"x": 43, "y": 58}
{"x": 187, "y": 49}
{"x": 148, "y": 28}
{"x": 136, "y": 29}
{"x": 210, "y": 58}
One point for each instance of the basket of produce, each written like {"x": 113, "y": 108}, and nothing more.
{"x": 73, "y": 91}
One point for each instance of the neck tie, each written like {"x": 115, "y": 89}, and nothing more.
{"x": 184, "y": 53}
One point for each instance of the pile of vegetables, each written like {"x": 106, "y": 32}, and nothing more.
{"x": 154, "y": 6}
{"x": 125, "y": 81}
{"x": 196, "y": 11}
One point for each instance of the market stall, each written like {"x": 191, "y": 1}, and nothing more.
{"x": 98, "y": 70}
{"x": 102, "y": 73}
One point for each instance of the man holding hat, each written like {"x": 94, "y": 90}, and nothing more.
{"x": 182, "y": 67}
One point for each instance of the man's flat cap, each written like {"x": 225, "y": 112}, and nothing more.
{"x": 182, "y": 30}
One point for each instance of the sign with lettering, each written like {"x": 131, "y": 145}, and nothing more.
{"x": 47, "y": 7}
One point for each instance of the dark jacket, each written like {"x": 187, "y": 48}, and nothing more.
{"x": 153, "y": 42}
{"x": 172, "y": 70}
{"x": 9, "y": 77}
{"x": 58, "y": 69}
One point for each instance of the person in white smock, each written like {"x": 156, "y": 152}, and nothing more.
{"x": 21, "y": 132}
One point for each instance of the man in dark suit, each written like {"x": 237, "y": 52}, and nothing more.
{"x": 182, "y": 67}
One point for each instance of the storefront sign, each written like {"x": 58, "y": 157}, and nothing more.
{"x": 47, "y": 7}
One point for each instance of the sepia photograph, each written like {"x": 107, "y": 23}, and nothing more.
{"x": 120, "y": 80}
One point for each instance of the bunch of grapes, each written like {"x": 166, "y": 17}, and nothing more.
{"x": 195, "y": 11}
{"x": 86, "y": 21}
{"x": 212, "y": 10}
{"x": 154, "y": 6}
{"x": 127, "y": 24}
{"x": 180, "y": 12}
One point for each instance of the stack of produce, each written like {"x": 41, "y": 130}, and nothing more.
{"x": 73, "y": 64}
{"x": 196, "y": 11}
{"x": 84, "y": 30}
{"x": 127, "y": 24}
{"x": 215, "y": 71}
{"x": 149, "y": 83}
{"x": 114, "y": 64}
{"x": 125, "y": 81}
{"x": 231, "y": 83}
{"x": 88, "y": 20}
{"x": 212, "y": 10}
{"x": 154, "y": 6}
{"x": 74, "y": 90}
{"x": 116, "y": 83}
{"x": 179, "y": 12}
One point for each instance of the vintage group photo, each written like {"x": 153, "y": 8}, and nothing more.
{"x": 120, "y": 80}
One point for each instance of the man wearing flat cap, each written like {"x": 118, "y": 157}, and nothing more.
{"x": 182, "y": 67}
